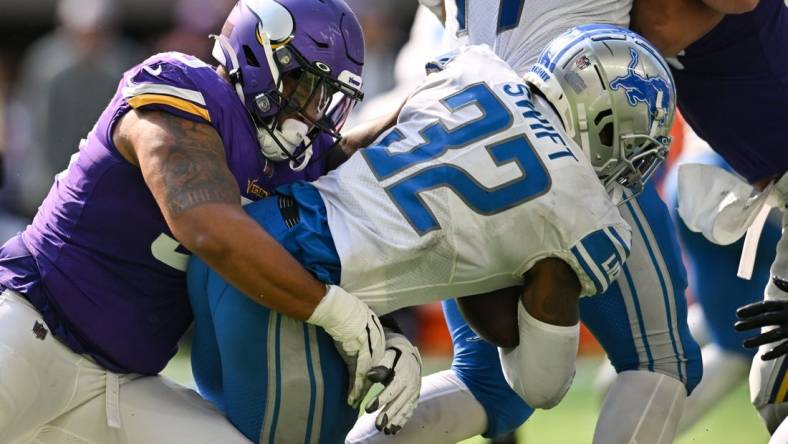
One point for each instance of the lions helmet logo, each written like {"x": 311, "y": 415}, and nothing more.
{"x": 653, "y": 91}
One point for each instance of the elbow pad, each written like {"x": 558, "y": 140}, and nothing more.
{"x": 541, "y": 368}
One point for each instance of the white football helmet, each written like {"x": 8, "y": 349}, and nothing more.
{"x": 616, "y": 97}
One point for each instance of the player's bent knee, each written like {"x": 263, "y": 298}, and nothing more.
{"x": 546, "y": 396}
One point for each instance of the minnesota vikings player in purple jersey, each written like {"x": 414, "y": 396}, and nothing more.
{"x": 94, "y": 289}
{"x": 731, "y": 71}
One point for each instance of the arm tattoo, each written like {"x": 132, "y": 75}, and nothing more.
{"x": 189, "y": 166}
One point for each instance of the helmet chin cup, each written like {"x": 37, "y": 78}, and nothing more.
{"x": 281, "y": 143}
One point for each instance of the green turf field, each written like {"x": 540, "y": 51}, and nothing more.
{"x": 734, "y": 421}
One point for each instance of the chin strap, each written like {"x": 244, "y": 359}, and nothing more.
{"x": 304, "y": 160}
{"x": 269, "y": 57}
{"x": 224, "y": 54}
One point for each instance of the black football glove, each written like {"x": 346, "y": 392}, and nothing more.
{"x": 765, "y": 314}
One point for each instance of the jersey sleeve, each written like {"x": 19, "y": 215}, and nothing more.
{"x": 165, "y": 84}
{"x": 597, "y": 258}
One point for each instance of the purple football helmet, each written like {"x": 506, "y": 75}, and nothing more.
{"x": 296, "y": 65}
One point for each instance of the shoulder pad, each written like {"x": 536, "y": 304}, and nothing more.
{"x": 169, "y": 82}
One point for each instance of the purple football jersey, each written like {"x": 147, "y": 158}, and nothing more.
{"x": 733, "y": 89}
{"x": 99, "y": 261}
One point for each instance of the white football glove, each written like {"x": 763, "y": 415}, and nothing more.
{"x": 358, "y": 334}
{"x": 400, "y": 373}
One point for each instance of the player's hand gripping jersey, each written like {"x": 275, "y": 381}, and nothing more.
{"x": 476, "y": 183}
{"x": 517, "y": 30}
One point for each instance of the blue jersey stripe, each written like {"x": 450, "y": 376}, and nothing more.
{"x": 604, "y": 255}
{"x": 619, "y": 239}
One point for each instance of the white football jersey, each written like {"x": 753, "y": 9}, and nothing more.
{"x": 475, "y": 183}
{"x": 518, "y": 30}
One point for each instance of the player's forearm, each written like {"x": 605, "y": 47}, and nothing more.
{"x": 244, "y": 254}
{"x": 183, "y": 164}
{"x": 362, "y": 135}
{"x": 672, "y": 25}
{"x": 732, "y": 6}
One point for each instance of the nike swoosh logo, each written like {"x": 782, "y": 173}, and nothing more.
{"x": 151, "y": 71}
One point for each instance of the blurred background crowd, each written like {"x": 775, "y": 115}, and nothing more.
{"x": 61, "y": 61}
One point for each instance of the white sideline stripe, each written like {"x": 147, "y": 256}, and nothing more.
{"x": 634, "y": 322}
{"x": 622, "y": 253}
{"x": 294, "y": 387}
{"x": 317, "y": 368}
{"x": 136, "y": 89}
{"x": 602, "y": 277}
{"x": 662, "y": 269}
{"x": 270, "y": 390}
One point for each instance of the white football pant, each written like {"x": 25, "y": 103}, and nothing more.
{"x": 51, "y": 395}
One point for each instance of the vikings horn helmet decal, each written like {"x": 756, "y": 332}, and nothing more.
{"x": 296, "y": 65}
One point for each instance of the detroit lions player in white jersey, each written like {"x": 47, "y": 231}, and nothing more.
{"x": 641, "y": 322}
{"x": 477, "y": 188}
{"x": 453, "y": 201}
{"x": 518, "y": 30}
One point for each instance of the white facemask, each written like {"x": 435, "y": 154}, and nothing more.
{"x": 290, "y": 135}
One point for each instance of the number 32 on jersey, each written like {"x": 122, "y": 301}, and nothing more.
{"x": 532, "y": 182}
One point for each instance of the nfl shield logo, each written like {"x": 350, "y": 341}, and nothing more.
{"x": 583, "y": 62}
{"x": 40, "y": 331}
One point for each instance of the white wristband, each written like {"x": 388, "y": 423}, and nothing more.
{"x": 338, "y": 313}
